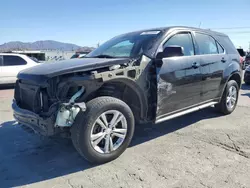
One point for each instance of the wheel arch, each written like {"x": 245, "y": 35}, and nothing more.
{"x": 236, "y": 75}
{"x": 127, "y": 90}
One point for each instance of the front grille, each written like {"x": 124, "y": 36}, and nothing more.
{"x": 28, "y": 96}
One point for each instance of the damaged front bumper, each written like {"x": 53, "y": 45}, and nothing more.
{"x": 51, "y": 122}
{"x": 48, "y": 126}
{"x": 43, "y": 126}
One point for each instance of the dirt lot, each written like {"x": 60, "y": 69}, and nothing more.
{"x": 202, "y": 149}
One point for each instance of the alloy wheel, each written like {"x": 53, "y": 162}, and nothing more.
{"x": 108, "y": 132}
{"x": 231, "y": 97}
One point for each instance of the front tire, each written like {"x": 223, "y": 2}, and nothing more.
{"x": 229, "y": 98}
{"x": 104, "y": 131}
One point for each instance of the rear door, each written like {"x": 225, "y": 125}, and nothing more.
{"x": 178, "y": 78}
{"x": 213, "y": 62}
{"x": 12, "y": 64}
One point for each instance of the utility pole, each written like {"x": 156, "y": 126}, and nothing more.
{"x": 249, "y": 47}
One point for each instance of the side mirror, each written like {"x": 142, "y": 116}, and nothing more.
{"x": 171, "y": 51}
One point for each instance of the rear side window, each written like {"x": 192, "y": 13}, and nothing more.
{"x": 10, "y": 60}
{"x": 184, "y": 40}
{"x": 207, "y": 44}
{"x": 227, "y": 44}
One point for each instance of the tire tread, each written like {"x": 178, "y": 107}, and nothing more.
{"x": 84, "y": 119}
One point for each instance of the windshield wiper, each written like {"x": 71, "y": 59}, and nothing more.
{"x": 103, "y": 56}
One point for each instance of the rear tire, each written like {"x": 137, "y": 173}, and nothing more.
{"x": 229, "y": 98}
{"x": 87, "y": 128}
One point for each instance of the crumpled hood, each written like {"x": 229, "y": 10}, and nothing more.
{"x": 48, "y": 70}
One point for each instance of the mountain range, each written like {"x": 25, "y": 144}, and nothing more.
{"x": 42, "y": 45}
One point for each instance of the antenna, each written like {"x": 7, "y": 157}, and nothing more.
{"x": 200, "y": 24}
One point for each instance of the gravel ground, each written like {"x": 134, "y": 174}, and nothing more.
{"x": 202, "y": 149}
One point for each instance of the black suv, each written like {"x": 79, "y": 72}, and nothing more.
{"x": 145, "y": 76}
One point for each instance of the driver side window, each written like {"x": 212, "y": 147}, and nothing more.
{"x": 184, "y": 40}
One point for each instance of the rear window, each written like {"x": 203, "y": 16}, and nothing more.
{"x": 34, "y": 59}
{"x": 75, "y": 56}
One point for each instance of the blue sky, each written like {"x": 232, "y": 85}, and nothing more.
{"x": 87, "y": 22}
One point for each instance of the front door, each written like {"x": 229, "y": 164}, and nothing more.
{"x": 178, "y": 78}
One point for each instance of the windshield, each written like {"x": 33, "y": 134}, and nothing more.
{"x": 128, "y": 45}
{"x": 34, "y": 59}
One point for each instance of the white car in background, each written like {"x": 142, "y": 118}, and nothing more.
{"x": 11, "y": 64}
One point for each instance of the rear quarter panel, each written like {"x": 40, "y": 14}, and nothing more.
{"x": 232, "y": 67}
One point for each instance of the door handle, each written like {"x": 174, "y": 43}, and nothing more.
{"x": 223, "y": 60}
{"x": 195, "y": 65}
